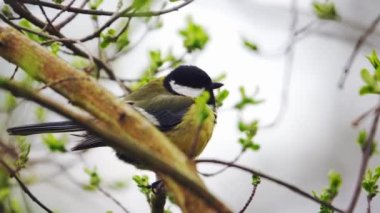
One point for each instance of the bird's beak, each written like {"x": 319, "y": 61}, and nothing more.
{"x": 216, "y": 85}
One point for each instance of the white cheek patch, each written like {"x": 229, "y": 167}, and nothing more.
{"x": 186, "y": 91}
{"x": 148, "y": 116}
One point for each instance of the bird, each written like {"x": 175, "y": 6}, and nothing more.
{"x": 167, "y": 102}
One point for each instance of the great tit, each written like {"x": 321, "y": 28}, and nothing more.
{"x": 167, "y": 102}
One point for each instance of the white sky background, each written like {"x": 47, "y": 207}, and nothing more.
{"x": 314, "y": 135}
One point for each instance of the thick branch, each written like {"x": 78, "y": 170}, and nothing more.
{"x": 119, "y": 124}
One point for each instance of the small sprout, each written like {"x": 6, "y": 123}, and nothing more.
{"x": 249, "y": 130}
{"x": 26, "y": 24}
{"x": 94, "y": 180}
{"x": 256, "y": 180}
{"x": 122, "y": 41}
{"x": 202, "y": 108}
{"x": 95, "y": 4}
{"x": 4, "y": 194}
{"x": 245, "y": 100}
{"x": 54, "y": 144}
{"x": 194, "y": 36}
{"x": 10, "y": 102}
{"x": 325, "y": 10}
{"x": 107, "y": 38}
{"x": 40, "y": 113}
{"x": 117, "y": 185}
{"x": 374, "y": 59}
{"x": 109, "y": 211}
{"x": 55, "y": 47}
{"x": 6, "y": 11}
{"x": 58, "y": 1}
{"x": 329, "y": 193}
{"x": 362, "y": 141}
{"x": 221, "y": 97}
{"x": 369, "y": 182}
{"x": 220, "y": 77}
{"x": 250, "y": 45}
{"x": 23, "y": 155}
{"x": 80, "y": 63}
{"x": 144, "y": 186}
{"x": 141, "y": 4}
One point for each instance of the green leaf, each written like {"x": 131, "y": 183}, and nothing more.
{"x": 369, "y": 182}
{"x": 250, "y": 45}
{"x": 54, "y": 144}
{"x": 249, "y": 130}
{"x": 202, "y": 107}
{"x": 329, "y": 193}
{"x": 80, "y": 63}
{"x": 55, "y": 47}
{"x": 58, "y": 1}
{"x": 107, "y": 38}
{"x": 95, "y": 4}
{"x": 10, "y": 102}
{"x": 374, "y": 60}
{"x": 325, "y": 10}
{"x": 366, "y": 90}
{"x": 194, "y": 36}
{"x": 4, "y": 194}
{"x": 94, "y": 180}
{"x": 141, "y": 4}
{"x": 23, "y": 157}
{"x": 245, "y": 100}
{"x": 256, "y": 180}
{"x": 40, "y": 113}
{"x": 367, "y": 77}
{"x": 26, "y": 24}
{"x": 122, "y": 41}
{"x": 362, "y": 138}
{"x": 7, "y": 11}
{"x": 221, "y": 96}
{"x": 143, "y": 185}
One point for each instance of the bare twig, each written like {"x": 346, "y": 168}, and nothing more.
{"x": 249, "y": 199}
{"x": 24, "y": 187}
{"x": 272, "y": 179}
{"x": 211, "y": 174}
{"x": 288, "y": 67}
{"x": 70, "y": 18}
{"x": 107, "y": 13}
{"x": 367, "y": 150}
{"x": 359, "y": 43}
{"x": 113, "y": 199}
{"x": 369, "y": 200}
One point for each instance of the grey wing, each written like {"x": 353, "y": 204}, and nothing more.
{"x": 164, "y": 111}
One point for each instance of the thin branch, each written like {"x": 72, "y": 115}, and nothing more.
{"x": 49, "y": 23}
{"x": 20, "y": 28}
{"x": 369, "y": 200}
{"x": 249, "y": 199}
{"x": 113, "y": 199}
{"x": 288, "y": 67}
{"x": 359, "y": 43}
{"x": 107, "y": 24}
{"x": 62, "y": 11}
{"x": 106, "y": 13}
{"x": 24, "y": 187}
{"x": 70, "y": 18}
{"x": 272, "y": 179}
{"x": 211, "y": 174}
{"x": 366, "y": 155}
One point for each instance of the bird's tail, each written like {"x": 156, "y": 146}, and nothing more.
{"x": 51, "y": 127}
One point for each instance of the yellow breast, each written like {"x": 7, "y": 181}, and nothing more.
{"x": 190, "y": 135}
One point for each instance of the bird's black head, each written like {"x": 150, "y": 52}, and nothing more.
{"x": 189, "y": 81}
